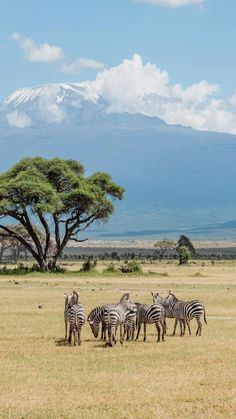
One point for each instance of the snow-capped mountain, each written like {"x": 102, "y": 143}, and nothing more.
{"x": 53, "y": 104}
{"x": 174, "y": 177}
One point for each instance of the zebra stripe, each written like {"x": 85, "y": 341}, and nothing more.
{"x": 94, "y": 319}
{"x": 129, "y": 325}
{"x": 156, "y": 298}
{"x": 77, "y": 320}
{"x": 74, "y": 313}
{"x": 186, "y": 311}
{"x": 67, "y": 312}
{"x": 149, "y": 314}
{"x": 115, "y": 315}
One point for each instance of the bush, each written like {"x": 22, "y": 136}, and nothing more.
{"x": 111, "y": 268}
{"x": 88, "y": 265}
{"x": 129, "y": 267}
{"x": 184, "y": 255}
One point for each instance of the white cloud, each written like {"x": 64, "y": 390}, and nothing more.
{"x": 143, "y": 88}
{"x": 50, "y": 106}
{"x": 75, "y": 67}
{"x": 48, "y": 54}
{"x": 19, "y": 119}
{"x": 44, "y": 53}
{"x": 173, "y": 3}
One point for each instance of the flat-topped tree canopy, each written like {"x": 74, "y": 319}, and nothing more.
{"x": 54, "y": 192}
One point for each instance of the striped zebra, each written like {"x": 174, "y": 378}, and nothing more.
{"x": 76, "y": 318}
{"x": 67, "y": 312}
{"x": 185, "y": 311}
{"x": 129, "y": 325}
{"x": 149, "y": 314}
{"x": 156, "y": 298}
{"x": 114, "y": 315}
{"x": 95, "y": 317}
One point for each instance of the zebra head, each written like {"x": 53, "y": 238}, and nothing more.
{"x": 170, "y": 299}
{"x": 127, "y": 304}
{"x": 94, "y": 327}
{"x": 156, "y": 298}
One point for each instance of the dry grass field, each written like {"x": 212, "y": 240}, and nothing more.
{"x": 188, "y": 377}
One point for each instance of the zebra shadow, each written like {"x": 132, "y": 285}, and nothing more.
{"x": 61, "y": 342}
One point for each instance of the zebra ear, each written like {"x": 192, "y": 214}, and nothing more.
{"x": 152, "y": 293}
{"x": 169, "y": 292}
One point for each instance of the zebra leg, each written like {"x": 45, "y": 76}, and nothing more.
{"x": 133, "y": 330}
{"x": 144, "y": 331}
{"x": 199, "y": 329}
{"x": 158, "y": 332}
{"x": 65, "y": 329}
{"x": 69, "y": 338}
{"x": 163, "y": 330}
{"x": 138, "y": 330}
{"x": 79, "y": 332}
{"x": 176, "y": 322}
{"x": 181, "y": 323}
{"x": 189, "y": 330}
{"x": 121, "y": 334}
{"x": 74, "y": 333}
{"x": 110, "y": 335}
{"x": 184, "y": 326}
{"x": 103, "y": 331}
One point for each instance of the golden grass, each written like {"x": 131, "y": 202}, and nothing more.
{"x": 187, "y": 377}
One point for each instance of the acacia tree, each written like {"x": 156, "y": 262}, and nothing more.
{"x": 56, "y": 195}
{"x": 161, "y": 247}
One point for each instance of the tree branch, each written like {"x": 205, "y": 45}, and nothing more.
{"x": 77, "y": 240}
{"x": 12, "y": 234}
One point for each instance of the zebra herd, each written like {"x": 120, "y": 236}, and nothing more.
{"x": 130, "y": 316}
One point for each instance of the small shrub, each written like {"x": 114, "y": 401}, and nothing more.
{"x": 111, "y": 268}
{"x": 129, "y": 267}
{"x": 184, "y": 255}
{"x": 88, "y": 265}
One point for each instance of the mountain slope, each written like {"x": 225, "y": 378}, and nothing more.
{"x": 174, "y": 177}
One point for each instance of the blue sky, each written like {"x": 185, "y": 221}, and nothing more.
{"x": 191, "y": 42}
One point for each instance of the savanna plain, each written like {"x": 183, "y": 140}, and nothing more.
{"x": 183, "y": 377}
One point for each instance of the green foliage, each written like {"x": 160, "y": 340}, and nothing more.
{"x": 88, "y": 265}
{"x": 56, "y": 193}
{"x": 184, "y": 255}
{"x": 185, "y": 241}
{"x": 111, "y": 268}
{"x": 131, "y": 266}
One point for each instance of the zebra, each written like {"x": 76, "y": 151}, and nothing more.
{"x": 95, "y": 317}
{"x": 156, "y": 298}
{"x": 67, "y": 312}
{"x": 114, "y": 315}
{"x": 129, "y": 325}
{"x": 76, "y": 318}
{"x": 185, "y": 311}
{"x": 151, "y": 313}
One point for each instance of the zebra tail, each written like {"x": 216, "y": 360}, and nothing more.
{"x": 205, "y": 316}
{"x": 76, "y": 322}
